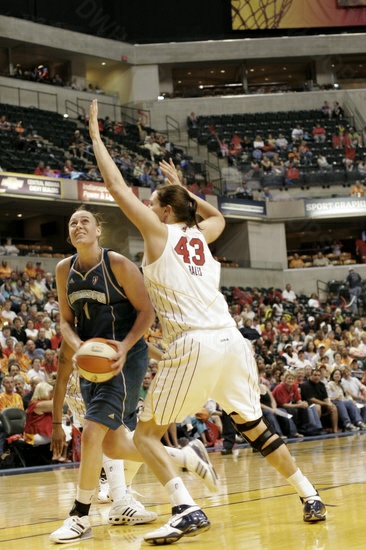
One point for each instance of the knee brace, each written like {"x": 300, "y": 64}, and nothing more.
{"x": 258, "y": 443}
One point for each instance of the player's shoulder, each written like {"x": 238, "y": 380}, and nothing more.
{"x": 120, "y": 262}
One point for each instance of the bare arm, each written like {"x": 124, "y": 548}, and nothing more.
{"x": 144, "y": 219}
{"x": 67, "y": 322}
{"x": 64, "y": 370}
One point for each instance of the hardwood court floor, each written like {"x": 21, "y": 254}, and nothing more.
{"x": 254, "y": 510}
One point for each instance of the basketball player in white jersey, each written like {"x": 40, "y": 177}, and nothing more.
{"x": 205, "y": 354}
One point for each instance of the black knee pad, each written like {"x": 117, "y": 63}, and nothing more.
{"x": 258, "y": 443}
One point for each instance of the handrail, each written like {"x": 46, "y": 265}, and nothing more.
{"x": 208, "y": 164}
{"x": 28, "y": 90}
{"x": 173, "y": 123}
{"x": 74, "y": 108}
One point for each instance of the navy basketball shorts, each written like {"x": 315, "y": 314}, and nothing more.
{"x": 113, "y": 403}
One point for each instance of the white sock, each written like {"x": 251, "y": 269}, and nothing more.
{"x": 131, "y": 469}
{"x": 302, "y": 486}
{"x": 178, "y": 493}
{"x": 115, "y": 472}
{"x": 83, "y": 496}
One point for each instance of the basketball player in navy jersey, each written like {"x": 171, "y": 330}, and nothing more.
{"x": 102, "y": 294}
{"x": 205, "y": 354}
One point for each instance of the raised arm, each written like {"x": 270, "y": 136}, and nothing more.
{"x": 145, "y": 220}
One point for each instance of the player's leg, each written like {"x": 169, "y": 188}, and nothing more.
{"x": 187, "y": 517}
{"x": 77, "y": 525}
{"x": 261, "y": 437}
{"x": 243, "y": 398}
{"x": 175, "y": 390}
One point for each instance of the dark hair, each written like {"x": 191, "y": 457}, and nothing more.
{"x": 183, "y": 205}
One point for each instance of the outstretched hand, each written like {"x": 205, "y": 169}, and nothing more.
{"x": 93, "y": 120}
{"x": 170, "y": 172}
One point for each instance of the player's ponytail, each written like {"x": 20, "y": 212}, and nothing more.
{"x": 183, "y": 205}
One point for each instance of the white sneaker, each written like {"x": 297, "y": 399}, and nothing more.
{"x": 186, "y": 521}
{"x": 73, "y": 528}
{"x": 104, "y": 493}
{"x": 197, "y": 462}
{"x": 130, "y": 511}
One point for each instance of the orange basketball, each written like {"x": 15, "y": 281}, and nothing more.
{"x": 94, "y": 360}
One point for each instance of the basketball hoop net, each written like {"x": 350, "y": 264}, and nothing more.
{"x": 259, "y": 14}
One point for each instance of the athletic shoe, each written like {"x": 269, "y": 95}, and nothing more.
{"x": 314, "y": 510}
{"x": 103, "y": 493}
{"x": 226, "y": 451}
{"x": 130, "y": 511}
{"x": 186, "y": 521}
{"x": 73, "y": 528}
{"x": 351, "y": 428}
{"x": 197, "y": 461}
{"x": 361, "y": 425}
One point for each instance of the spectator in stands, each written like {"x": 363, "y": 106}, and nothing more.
{"x": 361, "y": 168}
{"x": 30, "y": 330}
{"x": 37, "y": 370}
{"x": 32, "y": 351}
{"x": 266, "y": 194}
{"x": 51, "y": 306}
{"x": 321, "y": 261}
{"x": 319, "y": 133}
{"x": 48, "y": 283}
{"x": 49, "y": 362}
{"x": 41, "y": 341}
{"x": 288, "y": 295}
{"x": 357, "y": 189}
{"x": 266, "y": 165}
{"x": 10, "y": 249}
{"x": 5, "y": 125}
{"x": 354, "y": 283}
{"x": 57, "y": 337}
{"x": 337, "y": 111}
{"x": 18, "y": 330}
{"x": 244, "y": 191}
{"x": 258, "y": 142}
{"x": 281, "y": 143}
{"x": 297, "y": 134}
{"x": 292, "y": 175}
{"x": 29, "y": 269}
{"x": 8, "y": 398}
{"x": 5, "y": 269}
{"x": 315, "y": 393}
{"x": 348, "y": 412}
{"x": 355, "y": 138}
{"x": 68, "y": 169}
{"x": 323, "y": 164}
{"x": 288, "y": 398}
{"x": 326, "y": 110}
{"x": 296, "y": 261}
{"x": 192, "y": 121}
{"x": 306, "y": 155}
{"x": 40, "y": 170}
{"x": 293, "y": 157}
{"x": 354, "y": 389}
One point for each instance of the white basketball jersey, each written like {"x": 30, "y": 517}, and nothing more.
{"x": 183, "y": 285}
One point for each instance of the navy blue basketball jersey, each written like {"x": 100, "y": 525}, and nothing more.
{"x": 100, "y": 306}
